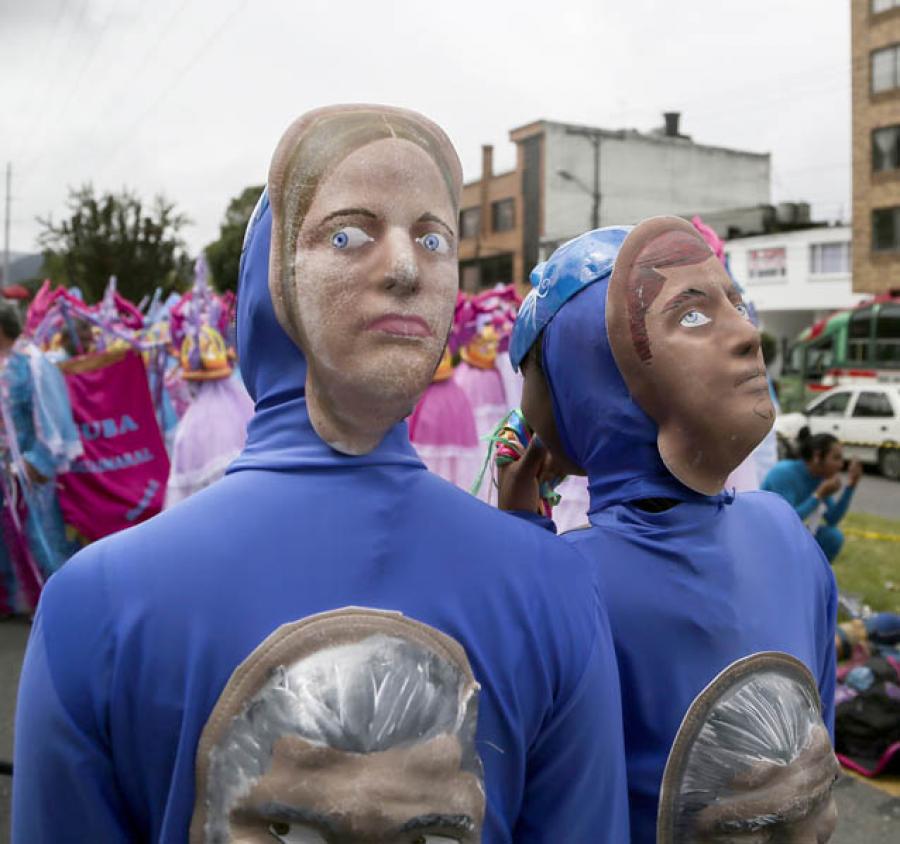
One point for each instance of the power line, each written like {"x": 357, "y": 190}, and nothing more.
{"x": 142, "y": 65}
{"x": 69, "y": 97}
{"x": 115, "y": 152}
{"x": 42, "y": 102}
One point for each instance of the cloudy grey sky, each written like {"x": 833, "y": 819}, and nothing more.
{"x": 188, "y": 97}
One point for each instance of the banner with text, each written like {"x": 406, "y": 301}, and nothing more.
{"x": 120, "y": 479}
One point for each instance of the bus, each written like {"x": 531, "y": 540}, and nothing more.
{"x": 857, "y": 346}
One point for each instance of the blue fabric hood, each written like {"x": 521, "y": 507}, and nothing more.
{"x": 280, "y": 435}
{"x": 601, "y": 426}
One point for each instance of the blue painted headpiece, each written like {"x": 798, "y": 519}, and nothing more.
{"x": 572, "y": 267}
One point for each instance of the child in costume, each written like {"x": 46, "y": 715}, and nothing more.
{"x": 442, "y": 427}
{"x": 213, "y": 430}
{"x": 408, "y": 687}
{"x": 642, "y": 369}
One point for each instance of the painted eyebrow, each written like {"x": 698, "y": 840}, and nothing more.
{"x": 681, "y": 298}
{"x": 275, "y": 811}
{"x": 349, "y": 212}
{"x": 458, "y": 823}
{"x": 428, "y": 217}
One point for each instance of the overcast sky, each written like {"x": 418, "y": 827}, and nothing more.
{"x": 188, "y": 97}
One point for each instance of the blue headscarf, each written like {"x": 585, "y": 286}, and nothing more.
{"x": 601, "y": 426}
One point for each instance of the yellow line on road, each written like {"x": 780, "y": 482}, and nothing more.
{"x": 871, "y": 534}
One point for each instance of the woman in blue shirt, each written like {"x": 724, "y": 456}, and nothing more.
{"x": 810, "y": 484}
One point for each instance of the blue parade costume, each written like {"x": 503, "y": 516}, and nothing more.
{"x": 40, "y": 416}
{"x": 136, "y": 638}
{"x": 693, "y": 588}
{"x": 793, "y": 482}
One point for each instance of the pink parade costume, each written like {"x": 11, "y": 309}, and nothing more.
{"x": 512, "y": 381}
{"x": 209, "y": 436}
{"x": 213, "y": 429}
{"x": 442, "y": 428}
{"x": 492, "y": 313}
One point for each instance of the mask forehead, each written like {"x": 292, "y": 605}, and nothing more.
{"x": 635, "y": 285}
{"x": 313, "y": 146}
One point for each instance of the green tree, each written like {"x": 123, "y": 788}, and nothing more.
{"x": 224, "y": 254}
{"x": 116, "y": 234}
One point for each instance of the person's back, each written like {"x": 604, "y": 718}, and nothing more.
{"x": 694, "y": 579}
{"x": 137, "y": 639}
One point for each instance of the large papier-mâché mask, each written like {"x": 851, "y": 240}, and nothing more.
{"x": 351, "y": 727}
{"x": 363, "y": 269}
{"x": 683, "y": 341}
{"x": 752, "y": 760}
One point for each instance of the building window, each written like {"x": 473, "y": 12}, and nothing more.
{"x": 886, "y": 229}
{"x": 482, "y": 273}
{"x": 884, "y": 5}
{"x": 886, "y": 149}
{"x": 858, "y": 337}
{"x": 885, "y": 74}
{"x": 469, "y": 222}
{"x": 767, "y": 263}
{"x": 503, "y": 215}
{"x": 887, "y": 336}
{"x": 826, "y": 258}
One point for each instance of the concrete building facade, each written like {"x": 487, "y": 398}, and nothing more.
{"x": 570, "y": 178}
{"x": 794, "y": 278}
{"x": 875, "y": 48}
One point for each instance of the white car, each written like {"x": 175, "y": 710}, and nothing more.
{"x": 866, "y": 419}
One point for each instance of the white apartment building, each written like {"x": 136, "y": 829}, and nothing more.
{"x": 794, "y": 278}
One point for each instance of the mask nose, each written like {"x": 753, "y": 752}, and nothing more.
{"x": 401, "y": 274}
{"x": 745, "y": 339}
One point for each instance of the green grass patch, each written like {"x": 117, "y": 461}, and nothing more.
{"x": 870, "y": 567}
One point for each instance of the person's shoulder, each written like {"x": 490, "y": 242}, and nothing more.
{"x": 764, "y": 500}
{"x": 773, "y": 516}
{"x": 511, "y": 553}
{"x": 771, "y": 510}
{"x": 781, "y": 471}
{"x": 464, "y": 511}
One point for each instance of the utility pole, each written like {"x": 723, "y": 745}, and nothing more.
{"x": 6, "y": 223}
{"x": 593, "y": 135}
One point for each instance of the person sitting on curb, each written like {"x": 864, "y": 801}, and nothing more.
{"x": 809, "y": 484}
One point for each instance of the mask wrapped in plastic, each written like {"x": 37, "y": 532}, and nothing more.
{"x": 350, "y": 725}
{"x": 752, "y": 761}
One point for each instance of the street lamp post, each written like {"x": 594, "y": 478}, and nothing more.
{"x": 593, "y": 135}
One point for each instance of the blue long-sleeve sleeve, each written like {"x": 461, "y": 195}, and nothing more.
{"x": 537, "y": 519}
{"x": 64, "y": 787}
{"x": 791, "y": 480}
{"x": 566, "y": 772}
{"x": 827, "y": 676}
{"x": 836, "y": 510}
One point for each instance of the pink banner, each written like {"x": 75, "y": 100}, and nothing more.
{"x": 120, "y": 479}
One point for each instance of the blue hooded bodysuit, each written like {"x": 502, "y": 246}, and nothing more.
{"x": 689, "y": 590}
{"x": 137, "y": 636}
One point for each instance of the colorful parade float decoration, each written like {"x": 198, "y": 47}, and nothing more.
{"x": 213, "y": 429}
{"x": 120, "y": 478}
{"x": 442, "y": 426}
